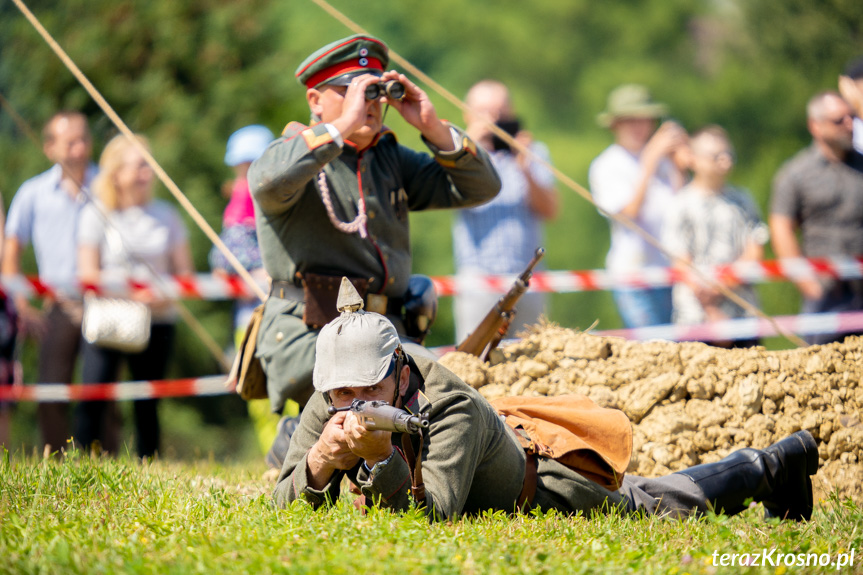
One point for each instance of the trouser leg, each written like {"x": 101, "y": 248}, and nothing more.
{"x": 151, "y": 364}
{"x": 670, "y": 496}
{"x": 841, "y": 296}
{"x": 642, "y": 307}
{"x": 58, "y": 352}
{"x": 53, "y": 424}
{"x": 100, "y": 365}
{"x": 147, "y": 429}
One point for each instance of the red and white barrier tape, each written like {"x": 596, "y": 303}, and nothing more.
{"x": 61, "y": 392}
{"x": 199, "y": 286}
{"x": 219, "y": 287}
{"x": 746, "y": 328}
{"x": 590, "y": 280}
{"x": 731, "y": 329}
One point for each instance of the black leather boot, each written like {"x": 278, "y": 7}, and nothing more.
{"x": 792, "y": 495}
{"x": 284, "y": 430}
{"x": 778, "y": 477}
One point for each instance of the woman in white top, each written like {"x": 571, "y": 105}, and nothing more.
{"x": 127, "y": 233}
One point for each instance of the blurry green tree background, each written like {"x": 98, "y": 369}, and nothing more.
{"x": 187, "y": 73}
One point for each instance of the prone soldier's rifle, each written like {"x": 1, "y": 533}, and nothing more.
{"x": 494, "y": 325}
{"x": 381, "y": 416}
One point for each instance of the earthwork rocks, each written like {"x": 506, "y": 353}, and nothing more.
{"x": 691, "y": 403}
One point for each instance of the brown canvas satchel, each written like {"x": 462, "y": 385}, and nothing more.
{"x": 594, "y": 441}
{"x": 321, "y": 293}
{"x": 247, "y": 371}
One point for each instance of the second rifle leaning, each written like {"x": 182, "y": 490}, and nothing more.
{"x": 494, "y": 325}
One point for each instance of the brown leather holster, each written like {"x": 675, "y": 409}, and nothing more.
{"x": 321, "y": 293}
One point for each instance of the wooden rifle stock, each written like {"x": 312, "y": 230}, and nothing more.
{"x": 496, "y": 322}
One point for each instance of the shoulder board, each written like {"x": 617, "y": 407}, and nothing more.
{"x": 292, "y": 129}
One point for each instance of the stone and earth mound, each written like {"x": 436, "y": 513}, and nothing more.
{"x": 691, "y": 403}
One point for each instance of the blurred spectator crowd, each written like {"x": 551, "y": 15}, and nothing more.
{"x": 87, "y": 222}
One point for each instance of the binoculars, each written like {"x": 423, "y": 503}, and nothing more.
{"x": 392, "y": 89}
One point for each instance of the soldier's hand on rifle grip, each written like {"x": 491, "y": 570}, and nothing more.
{"x": 372, "y": 446}
{"x": 329, "y": 453}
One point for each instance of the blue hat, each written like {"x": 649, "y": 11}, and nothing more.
{"x": 247, "y": 144}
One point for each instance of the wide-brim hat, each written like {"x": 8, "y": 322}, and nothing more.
{"x": 630, "y": 101}
{"x": 356, "y": 349}
{"x": 338, "y": 62}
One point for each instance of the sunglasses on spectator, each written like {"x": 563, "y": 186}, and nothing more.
{"x": 840, "y": 120}
{"x": 718, "y": 156}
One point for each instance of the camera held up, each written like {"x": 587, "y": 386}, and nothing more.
{"x": 392, "y": 89}
{"x": 511, "y": 127}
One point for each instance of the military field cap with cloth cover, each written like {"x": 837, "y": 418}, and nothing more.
{"x": 355, "y": 349}
{"x": 630, "y": 101}
{"x": 341, "y": 61}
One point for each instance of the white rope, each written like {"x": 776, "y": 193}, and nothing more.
{"x": 563, "y": 178}
{"x": 157, "y": 168}
{"x": 359, "y": 223}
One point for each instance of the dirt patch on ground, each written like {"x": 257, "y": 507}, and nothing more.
{"x": 692, "y": 403}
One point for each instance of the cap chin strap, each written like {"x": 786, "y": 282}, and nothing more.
{"x": 400, "y": 356}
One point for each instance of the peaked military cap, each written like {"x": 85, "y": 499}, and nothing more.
{"x": 337, "y": 63}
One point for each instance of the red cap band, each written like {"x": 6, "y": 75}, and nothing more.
{"x": 351, "y": 65}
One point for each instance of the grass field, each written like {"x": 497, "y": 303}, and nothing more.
{"x": 120, "y": 516}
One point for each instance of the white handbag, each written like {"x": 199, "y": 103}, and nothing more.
{"x": 116, "y": 323}
{"x": 120, "y": 324}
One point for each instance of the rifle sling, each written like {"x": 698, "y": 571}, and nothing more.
{"x": 418, "y": 488}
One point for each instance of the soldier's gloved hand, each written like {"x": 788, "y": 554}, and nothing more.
{"x": 372, "y": 446}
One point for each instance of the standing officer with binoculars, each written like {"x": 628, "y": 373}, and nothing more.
{"x": 332, "y": 200}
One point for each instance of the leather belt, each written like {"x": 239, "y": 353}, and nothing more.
{"x": 373, "y": 302}
{"x": 286, "y": 290}
{"x": 528, "y": 489}
{"x": 384, "y": 305}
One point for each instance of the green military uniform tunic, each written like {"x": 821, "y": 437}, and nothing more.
{"x": 296, "y": 235}
{"x": 472, "y": 460}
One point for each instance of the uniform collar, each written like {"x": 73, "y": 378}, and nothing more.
{"x": 349, "y": 145}
{"x": 55, "y": 173}
{"x": 384, "y": 132}
{"x": 417, "y": 402}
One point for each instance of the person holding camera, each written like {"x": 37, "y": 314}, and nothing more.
{"x": 636, "y": 177}
{"x": 500, "y": 237}
{"x": 332, "y": 200}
